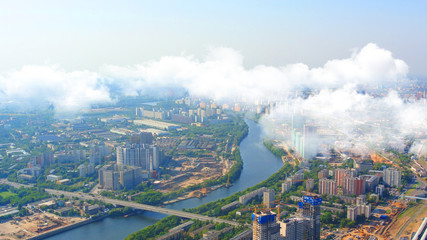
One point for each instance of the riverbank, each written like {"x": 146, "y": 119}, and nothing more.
{"x": 252, "y": 151}
{"x": 192, "y": 195}
{"x": 67, "y": 228}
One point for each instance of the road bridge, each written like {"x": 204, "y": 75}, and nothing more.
{"x": 140, "y": 206}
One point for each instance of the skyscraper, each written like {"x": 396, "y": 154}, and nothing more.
{"x": 311, "y": 210}
{"x": 265, "y": 226}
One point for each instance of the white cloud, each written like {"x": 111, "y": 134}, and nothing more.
{"x": 67, "y": 91}
{"x": 222, "y": 74}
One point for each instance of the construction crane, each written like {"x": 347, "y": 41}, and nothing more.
{"x": 254, "y": 219}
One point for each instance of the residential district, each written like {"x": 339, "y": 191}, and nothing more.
{"x": 61, "y": 173}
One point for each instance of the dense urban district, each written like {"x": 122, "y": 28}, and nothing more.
{"x": 59, "y": 173}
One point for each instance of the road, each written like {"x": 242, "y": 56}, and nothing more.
{"x": 145, "y": 207}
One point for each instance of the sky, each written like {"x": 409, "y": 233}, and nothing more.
{"x": 86, "y": 35}
{"x": 76, "y": 54}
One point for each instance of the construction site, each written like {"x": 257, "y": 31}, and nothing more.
{"x": 194, "y": 171}
{"x": 34, "y": 225}
{"x": 398, "y": 220}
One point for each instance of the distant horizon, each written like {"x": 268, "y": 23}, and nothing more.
{"x": 82, "y": 35}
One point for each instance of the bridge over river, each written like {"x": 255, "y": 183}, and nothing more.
{"x": 128, "y": 204}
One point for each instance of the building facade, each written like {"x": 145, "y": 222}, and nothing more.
{"x": 392, "y": 177}
{"x": 265, "y": 226}
{"x": 327, "y": 186}
{"x": 144, "y": 156}
{"x": 116, "y": 177}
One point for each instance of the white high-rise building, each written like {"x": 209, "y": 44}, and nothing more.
{"x": 392, "y": 177}
{"x": 144, "y": 156}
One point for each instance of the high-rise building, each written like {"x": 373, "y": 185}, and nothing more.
{"x": 42, "y": 160}
{"x": 358, "y": 210}
{"x": 309, "y": 184}
{"x": 109, "y": 178}
{"x": 97, "y": 152}
{"x": 295, "y": 228}
{"x": 286, "y": 186}
{"x": 144, "y": 156}
{"x": 130, "y": 177}
{"x": 268, "y": 198}
{"x": 116, "y": 177}
{"x": 324, "y": 173}
{"x": 352, "y": 212}
{"x": 392, "y": 177}
{"x": 327, "y": 186}
{"x": 86, "y": 170}
{"x": 311, "y": 210}
{"x": 310, "y": 142}
{"x": 371, "y": 181}
{"x": 265, "y": 226}
{"x": 340, "y": 175}
{"x": 141, "y": 138}
{"x": 298, "y": 176}
{"x": 379, "y": 190}
{"x": 354, "y": 186}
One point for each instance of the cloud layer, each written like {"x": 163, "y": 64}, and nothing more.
{"x": 35, "y": 86}
{"x": 220, "y": 75}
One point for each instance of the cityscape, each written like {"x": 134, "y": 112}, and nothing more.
{"x": 115, "y": 124}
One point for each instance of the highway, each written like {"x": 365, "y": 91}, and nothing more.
{"x": 145, "y": 207}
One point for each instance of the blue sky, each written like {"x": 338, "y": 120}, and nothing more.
{"x": 80, "y": 35}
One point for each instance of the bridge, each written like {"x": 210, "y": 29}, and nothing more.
{"x": 412, "y": 197}
{"x": 140, "y": 206}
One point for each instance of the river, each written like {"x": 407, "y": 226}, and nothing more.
{"x": 258, "y": 164}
